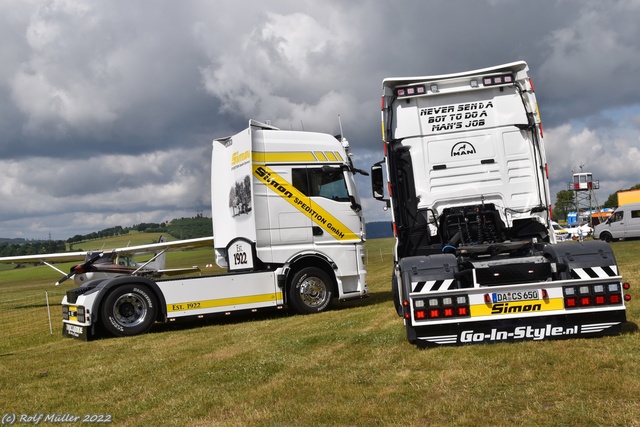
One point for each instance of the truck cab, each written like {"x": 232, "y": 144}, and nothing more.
{"x": 291, "y": 198}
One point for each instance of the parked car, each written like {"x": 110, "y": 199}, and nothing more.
{"x": 561, "y": 233}
{"x": 579, "y": 232}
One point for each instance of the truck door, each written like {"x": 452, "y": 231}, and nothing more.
{"x": 288, "y": 224}
{"x": 332, "y": 209}
{"x": 616, "y": 224}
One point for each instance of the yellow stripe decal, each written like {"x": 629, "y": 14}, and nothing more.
{"x": 297, "y": 157}
{"x": 222, "y": 302}
{"x": 517, "y": 307}
{"x": 304, "y": 204}
{"x": 284, "y": 157}
{"x": 320, "y": 156}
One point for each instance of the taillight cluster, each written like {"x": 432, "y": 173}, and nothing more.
{"x": 74, "y": 313}
{"x": 444, "y": 307}
{"x": 579, "y": 296}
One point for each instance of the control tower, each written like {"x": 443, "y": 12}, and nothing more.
{"x": 583, "y": 187}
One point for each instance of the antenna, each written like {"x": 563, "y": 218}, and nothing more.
{"x": 340, "y": 123}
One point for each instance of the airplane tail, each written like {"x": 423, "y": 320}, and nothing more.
{"x": 160, "y": 262}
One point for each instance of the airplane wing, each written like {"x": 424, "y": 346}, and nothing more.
{"x": 200, "y": 242}
{"x": 59, "y": 257}
{"x": 158, "y": 248}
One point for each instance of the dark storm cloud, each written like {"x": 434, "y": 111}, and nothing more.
{"x": 108, "y": 109}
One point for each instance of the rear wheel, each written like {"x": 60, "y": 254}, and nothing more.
{"x": 129, "y": 310}
{"x": 311, "y": 291}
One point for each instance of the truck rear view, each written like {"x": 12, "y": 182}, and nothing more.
{"x": 475, "y": 256}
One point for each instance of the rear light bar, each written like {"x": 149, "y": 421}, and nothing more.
{"x": 580, "y": 296}
{"x": 411, "y": 90}
{"x": 499, "y": 79}
{"x": 416, "y": 90}
{"x": 437, "y": 308}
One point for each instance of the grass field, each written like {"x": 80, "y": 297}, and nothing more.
{"x": 349, "y": 366}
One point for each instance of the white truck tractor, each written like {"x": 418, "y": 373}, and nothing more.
{"x": 476, "y": 259}
{"x": 287, "y": 224}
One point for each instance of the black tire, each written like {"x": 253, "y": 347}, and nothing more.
{"x": 606, "y": 237}
{"x": 129, "y": 310}
{"x": 311, "y": 291}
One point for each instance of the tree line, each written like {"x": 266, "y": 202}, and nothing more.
{"x": 181, "y": 228}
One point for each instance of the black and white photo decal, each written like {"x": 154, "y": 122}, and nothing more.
{"x": 240, "y": 197}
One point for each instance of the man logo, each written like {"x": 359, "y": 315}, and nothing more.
{"x": 462, "y": 148}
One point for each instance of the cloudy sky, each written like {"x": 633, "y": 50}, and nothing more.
{"x": 108, "y": 109}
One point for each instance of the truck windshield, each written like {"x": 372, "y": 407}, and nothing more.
{"x": 321, "y": 182}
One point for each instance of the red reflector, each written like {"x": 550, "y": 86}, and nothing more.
{"x": 546, "y": 170}
{"x": 545, "y": 294}
{"x": 448, "y": 312}
{"x": 434, "y": 313}
{"x": 420, "y": 314}
{"x": 600, "y": 300}
{"x": 407, "y": 316}
{"x": 531, "y": 83}
{"x": 614, "y": 299}
{"x": 627, "y": 297}
{"x": 463, "y": 311}
{"x": 382, "y": 103}
{"x": 405, "y": 303}
{"x": 585, "y": 301}
{"x": 626, "y": 285}
{"x": 571, "y": 302}
{"x": 487, "y": 298}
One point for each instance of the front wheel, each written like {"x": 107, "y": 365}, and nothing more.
{"x": 311, "y": 291}
{"x": 129, "y": 310}
{"x": 606, "y": 237}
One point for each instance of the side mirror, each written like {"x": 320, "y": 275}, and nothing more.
{"x": 377, "y": 181}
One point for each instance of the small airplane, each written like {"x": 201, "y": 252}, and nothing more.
{"x": 117, "y": 262}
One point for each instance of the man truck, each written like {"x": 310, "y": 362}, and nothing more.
{"x": 475, "y": 258}
{"x": 288, "y": 227}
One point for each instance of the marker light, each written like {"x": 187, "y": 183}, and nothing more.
{"x": 498, "y": 80}
{"x": 411, "y": 90}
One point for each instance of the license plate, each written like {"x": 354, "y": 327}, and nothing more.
{"x": 515, "y": 296}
